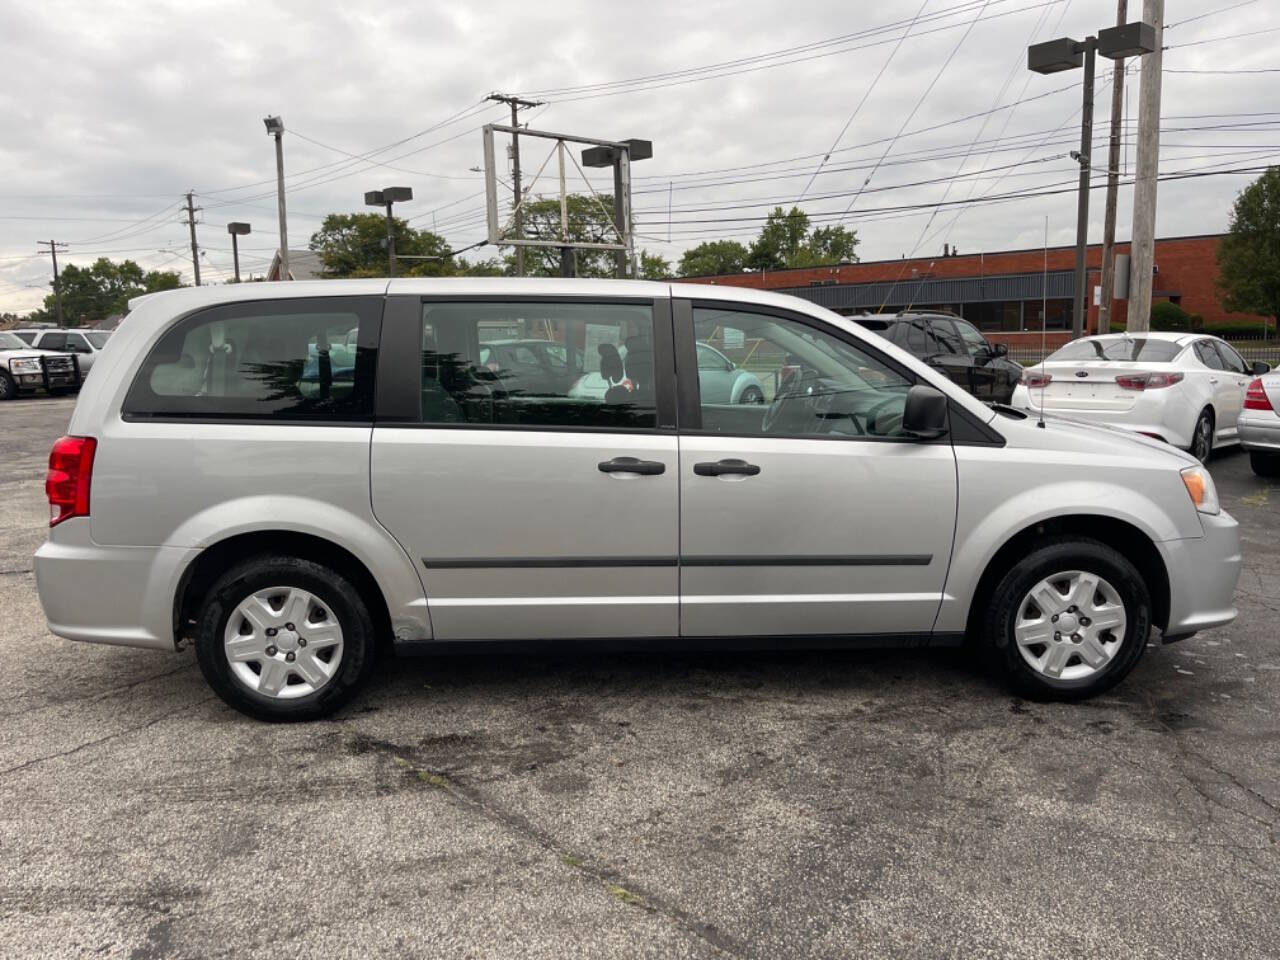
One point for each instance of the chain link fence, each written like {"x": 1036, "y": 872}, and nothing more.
{"x": 1251, "y": 348}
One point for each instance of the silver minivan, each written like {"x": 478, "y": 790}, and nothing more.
{"x": 300, "y": 477}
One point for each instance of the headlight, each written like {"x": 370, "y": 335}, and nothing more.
{"x": 26, "y": 365}
{"x": 1201, "y": 489}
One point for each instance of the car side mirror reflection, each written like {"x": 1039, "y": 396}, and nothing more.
{"x": 999, "y": 350}
{"x": 925, "y": 415}
{"x": 1260, "y": 368}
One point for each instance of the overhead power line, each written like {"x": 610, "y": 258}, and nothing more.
{"x": 717, "y": 71}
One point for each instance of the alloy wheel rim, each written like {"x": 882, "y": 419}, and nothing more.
{"x": 1070, "y": 625}
{"x": 4, "y": 387}
{"x": 283, "y": 643}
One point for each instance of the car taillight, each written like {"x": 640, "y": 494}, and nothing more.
{"x": 1034, "y": 381}
{"x": 1255, "y": 398}
{"x": 67, "y": 482}
{"x": 1147, "y": 381}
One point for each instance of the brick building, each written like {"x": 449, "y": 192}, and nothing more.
{"x": 1004, "y": 293}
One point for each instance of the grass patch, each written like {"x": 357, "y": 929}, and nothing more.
{"x": 626, "y": 896}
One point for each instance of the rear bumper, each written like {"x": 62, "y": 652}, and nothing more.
{"x": 103, "y": 594}
{"x": 1156, "y": 419}
{"x": 1261, "y": 432}
{"x": 1203, "y": 572}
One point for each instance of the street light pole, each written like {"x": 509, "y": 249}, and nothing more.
{"x": 236, "y": 230}
{"x": 391, "y": 244}
{"x": 1052, "y": 56}
{"x": 275, "y": 128}
{"x": 385, "y": 198}
{"x": 1080, "y": 306}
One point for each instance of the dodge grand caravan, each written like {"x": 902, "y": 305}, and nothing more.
{"x": 297, "y": 477}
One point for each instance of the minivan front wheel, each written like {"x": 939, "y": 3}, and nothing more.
{"x": 1069, "y": 621}
{"x": 282, "y": 638}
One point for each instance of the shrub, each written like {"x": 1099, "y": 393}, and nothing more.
{"x": 1167, "y": 315}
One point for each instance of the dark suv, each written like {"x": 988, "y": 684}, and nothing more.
{"x": 955, "y": 347}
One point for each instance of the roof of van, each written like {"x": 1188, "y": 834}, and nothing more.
{"x": 190, "y": 298}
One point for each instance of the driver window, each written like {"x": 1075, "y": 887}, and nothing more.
{"x": 974, "y": 342}
{"x": 813, "y": 384}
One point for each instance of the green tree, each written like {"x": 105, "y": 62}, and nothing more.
{"x": 826, "y": 245}
{"x": 713, "y": 258}
{"x": 1249, "y": 255}
{"x": 91, "y": 294}
{"x": 354, "y": 245}
{"x": 780, "y": 239}
{"x": 786, "y": 241}
{"x": 589, "y": 220}
{"x": 653, "y": 266}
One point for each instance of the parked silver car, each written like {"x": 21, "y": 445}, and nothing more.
{"x": 230, "y": 480}
{"x": 1259, "y": 424}
{"x": 85, "y": 344}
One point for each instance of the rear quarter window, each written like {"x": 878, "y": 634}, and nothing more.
{"x": 266, "y": 360}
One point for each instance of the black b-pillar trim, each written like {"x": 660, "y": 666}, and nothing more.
{"x": 689, "y": 404}
{"x": 399, "y": 395}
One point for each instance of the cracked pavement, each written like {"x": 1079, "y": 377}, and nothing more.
{"x": 894, "y": 804}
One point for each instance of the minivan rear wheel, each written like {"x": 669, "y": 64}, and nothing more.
{"x": 282, "y": 638}
{"x": 1069, "y": 621}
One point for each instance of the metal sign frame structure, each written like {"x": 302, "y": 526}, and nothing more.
{"x": 501, "y": 233}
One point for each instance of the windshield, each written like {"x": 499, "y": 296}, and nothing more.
{"x": 1118, "y": 348}
{"x": 98, "y": 338}
{"x": 9, "y": 341}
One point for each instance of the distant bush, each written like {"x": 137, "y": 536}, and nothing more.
{"x": 1167, "y": 315}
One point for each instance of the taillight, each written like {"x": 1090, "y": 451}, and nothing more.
{"x": 1147, "y": 381}
{"x": 1034, "y": 381}
{"x": 1255, "y": 398}
{"x": 67, "y": 482}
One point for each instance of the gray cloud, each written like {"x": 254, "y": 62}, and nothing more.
{"x": 111, "y": 110}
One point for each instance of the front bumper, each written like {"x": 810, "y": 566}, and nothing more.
{"x": 1203, "y": 572}
{"x": 108, "y": 594}
{"x": 1261, "y": 432}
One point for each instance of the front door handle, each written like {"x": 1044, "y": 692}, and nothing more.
{"x": 722, "y": 468}
{"x": 648, "y": 468}
{"x": 1213, "y": 379}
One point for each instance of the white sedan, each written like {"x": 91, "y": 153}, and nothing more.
{"x": 1259, "y": 425}
{"x": 1184, "y": 388}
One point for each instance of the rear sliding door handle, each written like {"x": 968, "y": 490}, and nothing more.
{"x": 648, "y": 468}
{"x": 722, "y": 468}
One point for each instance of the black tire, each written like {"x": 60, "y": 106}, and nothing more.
{"x": 8, "y": 389}
{"x": 1202, "y": 436}
{"x": 329, "y": 588}
{"x": 752, "y": 395}
{"x": 1057, "y": 555}
{"x": 1265, "y": 464}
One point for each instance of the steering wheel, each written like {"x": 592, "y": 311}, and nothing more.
{"x": 792, "y": 388}
{"x": 873, "y": 414}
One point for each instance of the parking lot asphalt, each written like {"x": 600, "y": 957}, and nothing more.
{"x": 897, "y": 804}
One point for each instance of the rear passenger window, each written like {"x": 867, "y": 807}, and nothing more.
{"x": 272, "y": 359}
{"x": 538, "y": 364}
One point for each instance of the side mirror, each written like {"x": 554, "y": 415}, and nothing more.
{"x": 999, "y": 350}
{"x": 925, "y": 415}
{"x": 1259, "y": 368}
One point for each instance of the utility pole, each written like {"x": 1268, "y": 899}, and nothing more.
{"x": 1143, "y": 247}
{"x": 191, "y": 222}
{"x": 1113, "y": 184}
{"x": 516, "y": 103}
{"x": 53, "y": 246}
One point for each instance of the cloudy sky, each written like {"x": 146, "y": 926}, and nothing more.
{"x": 111, "y": 111}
